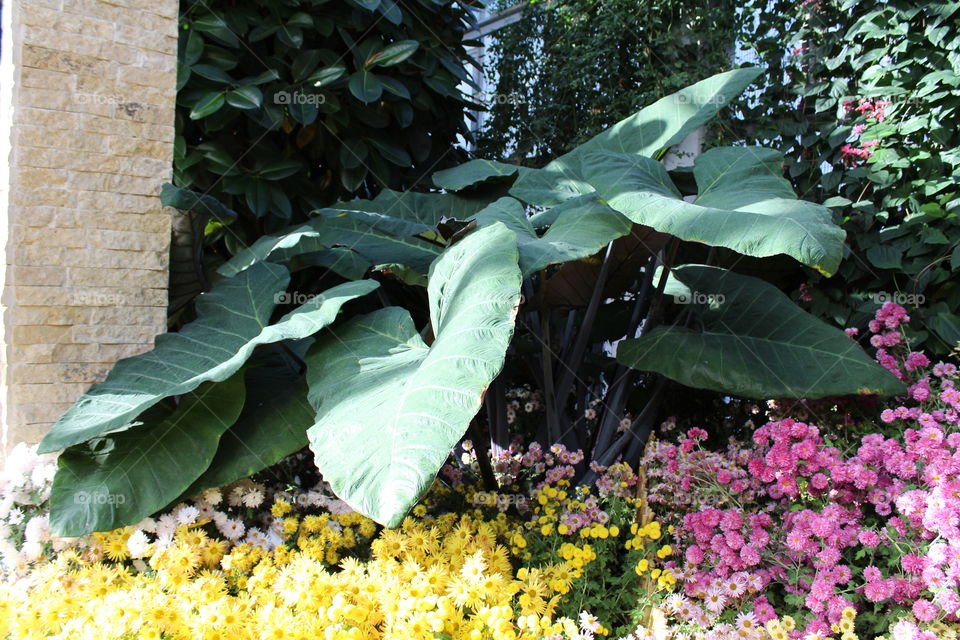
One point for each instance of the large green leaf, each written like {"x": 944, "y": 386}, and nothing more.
{"x": 123, "y": 477}
{"x": 471, "y": 173}
{"x": 272, "y": 425}
{"x": 744, "y": 204}
{"x": 751, "y": 340}
{"x": 425, "y": 208}
{"x": 232, "y": 320}
{"x": 661, "y": 125}
{"x": 584, "y": 226}
{"x": 377, "y": 238}
{"x": 390, "y": 407}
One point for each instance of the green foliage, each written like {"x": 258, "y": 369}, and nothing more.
{"x": 570, "y": 68}
{"x": 890, "y": 172}
{"x": 398, "y": 380}
{"x": 284, "y": 107}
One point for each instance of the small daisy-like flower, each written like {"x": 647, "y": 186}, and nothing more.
{"x": 253, "y": 498}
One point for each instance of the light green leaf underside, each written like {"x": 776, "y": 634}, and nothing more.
{"x": 471, "y": 173}
{"x": 583, "y": 227}
{"x": 232, "y": 321}
{"x": 753, "y": 341}
{"x": 390, "y": 407}
{"x": 663, "y": 124}
{"x": 744, "y": 204}
{"x": 118, "y": 480}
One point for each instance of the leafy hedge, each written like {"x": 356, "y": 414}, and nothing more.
{"x": 284, "y": 107}
{"x": 862, "y": 98}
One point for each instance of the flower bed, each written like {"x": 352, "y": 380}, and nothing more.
{"x": 802, "y": 531}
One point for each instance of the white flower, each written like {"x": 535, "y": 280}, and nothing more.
{"x": 231, "y": 529}
{"x": 236, "y": 496}
{"x": 20, "y": 462}
{"x": 42, "y": 475}
{"x": 213, "y": 497}
{"x": 253, "y": 498}
{"x": 138, "y": 544}
{"x": 186, "y": 514}
{"x": 589, "y": 622}
{"x": 147, "y": 524}
{"x": 37, "y": 530}
{"x": 15, "y": 516}
{"x": 32, "y": 551}
{"x": 166, "y": 526}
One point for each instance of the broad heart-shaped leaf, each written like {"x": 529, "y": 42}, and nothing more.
{"x": 584, "y": 226}
{"x": 123, "y": 477}
{"x": 376, "y": 237}
{"x": 753, "y": 341}
{"x": 661, "y": 125}
{"x": 744, "y": 204}
{"x": 272, "y": 425}
{"x": 471, "y": 173}
{"x": 231, "y": 321}
{"x": 389, "y": 407}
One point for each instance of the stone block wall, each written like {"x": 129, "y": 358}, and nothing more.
{"x": 87, "y": 91}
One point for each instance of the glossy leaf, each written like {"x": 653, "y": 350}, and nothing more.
{"x": 393, "y": 54}
{"x": 208, "y": 104}
{"x": 390, "y": 407}
{"x": 365, "y": 86}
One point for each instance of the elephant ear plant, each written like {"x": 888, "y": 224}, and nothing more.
{"x": 432, "y": 302}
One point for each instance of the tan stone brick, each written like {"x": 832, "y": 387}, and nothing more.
{"x": 85, "y": 373}
{"x": 31, "y": 352}
{"x": 51, "y": 392}
{"x": 120, "y": 278}
{"x": 112, "y": 334}
{"x": 39, "y": 57}
{"x": 58, "y": 315}
{"x": 47, "y": 118}
{"x": 38, "y": 334}
{"x": 36, "y": 177}
{"x": 36, "y": 276}
{"x": 49, "y": 236}
{"x": 31, "y": 422}
{"x": 148, "y": 223}
{"x": 33, "y": 196}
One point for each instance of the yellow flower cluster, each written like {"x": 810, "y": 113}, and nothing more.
{"x": 449, "y": 575}
{"x": 779, "y": 629}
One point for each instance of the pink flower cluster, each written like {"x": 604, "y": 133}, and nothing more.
{"x": 810, "y": 523}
